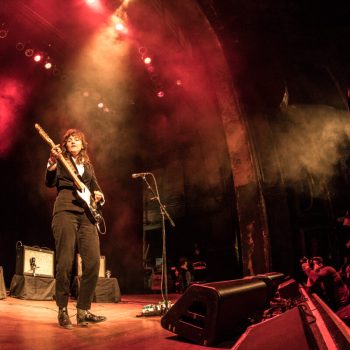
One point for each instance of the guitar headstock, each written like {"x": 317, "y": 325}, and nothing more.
{"x": 44, "y": 135}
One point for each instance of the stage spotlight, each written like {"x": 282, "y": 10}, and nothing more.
{"x": 147, "y": 60}
{"x": 48, "y": 65}
{"x": 3, "y": 33}
{"x": 160, "y": 93}
{"x": 142, "y": 51}
{"x": 178, "y": 82}
{"x": 95, "y": 5}
{"x": 29, "y": 52}
{"x": 20, "y": 46}
{"x": 38, "y": 57}
{"x": 100, "y": 105}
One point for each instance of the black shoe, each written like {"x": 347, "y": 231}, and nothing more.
{"x": 83, "y": 320}
{"x": 63, "y": 318}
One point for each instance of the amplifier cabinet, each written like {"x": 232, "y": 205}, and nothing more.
{"x": 33, "y": 261}
{"x": 102, "y": 272}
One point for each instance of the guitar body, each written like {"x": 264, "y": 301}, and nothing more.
{"x": 91, "y": 209}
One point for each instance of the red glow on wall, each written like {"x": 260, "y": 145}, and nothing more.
{"x": 12, "y": 96}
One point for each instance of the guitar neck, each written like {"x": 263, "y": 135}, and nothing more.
{"x": 71, "y": 171}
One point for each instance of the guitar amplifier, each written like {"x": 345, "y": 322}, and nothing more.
{"x": 102, "y": 272}
{"x": 33, "y": 261}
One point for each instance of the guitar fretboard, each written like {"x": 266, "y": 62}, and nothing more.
{"x": 69, "y": 166}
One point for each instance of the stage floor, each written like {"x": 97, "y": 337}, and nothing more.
{"x": 28, "y": 324}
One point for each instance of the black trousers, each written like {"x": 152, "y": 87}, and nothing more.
{"x": 71, "y": 229}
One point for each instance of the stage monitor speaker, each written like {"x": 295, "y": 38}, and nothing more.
{"x": 101, "y": 273}
{"x": 33, "y": 261}
{"x": 289, "y": 330}
{"x": 272, "y": 280}
{"x": 289, "y": 289}
{"x": 2, "y": 284}
{"x": 207, "y": 313}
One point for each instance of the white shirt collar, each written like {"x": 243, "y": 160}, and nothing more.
{"x": 80, "y": 167}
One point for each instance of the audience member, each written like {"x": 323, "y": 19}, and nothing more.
{"x": 183, "y": 275}
{"x": 326, "y": 282}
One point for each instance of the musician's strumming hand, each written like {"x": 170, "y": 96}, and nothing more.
{"x": 98, "y": 196}
{"x": 52, "y": 161}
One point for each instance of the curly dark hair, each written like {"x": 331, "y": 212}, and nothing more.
{"x": 82, "y": 156}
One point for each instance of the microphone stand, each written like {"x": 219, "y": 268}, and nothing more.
{"x": 164, "y": 214}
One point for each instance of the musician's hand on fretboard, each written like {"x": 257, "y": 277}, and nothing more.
{"x": 55, "y": 151}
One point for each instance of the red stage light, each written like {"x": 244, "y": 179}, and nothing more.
{"x": 142, "y": 50}
{"x": 160, "y": 94}
{"x": 3, "y": 33}
{"x": 48, "y": 65}
{"x": 29, "y": 52}
{"x": 20, "y": 46}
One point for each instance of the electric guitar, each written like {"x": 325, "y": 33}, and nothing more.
{"x": 83, "y": 193}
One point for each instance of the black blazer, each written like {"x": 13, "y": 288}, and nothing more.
{"x": 62, "y": 180}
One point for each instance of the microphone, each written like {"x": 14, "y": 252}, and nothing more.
{"x": 134, "y": 176}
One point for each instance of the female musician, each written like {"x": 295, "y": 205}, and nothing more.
{"x": 72, "y": 225}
